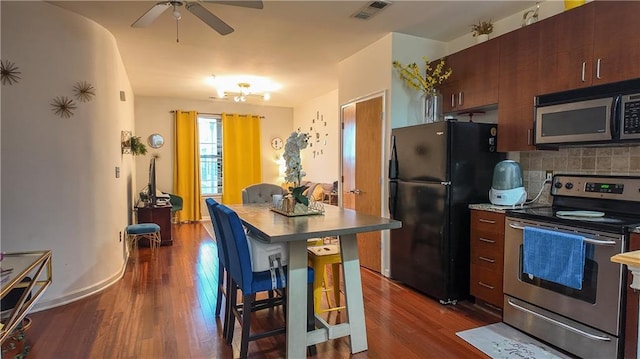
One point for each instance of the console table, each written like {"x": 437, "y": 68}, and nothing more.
{"x": 20, "y": 265}
{"x": 160, "y": 215}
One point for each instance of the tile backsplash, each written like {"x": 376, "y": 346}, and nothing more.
{"x": 578, "y": 160}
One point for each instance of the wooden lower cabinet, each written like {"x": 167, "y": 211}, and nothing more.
{"x": 487, "y": 256}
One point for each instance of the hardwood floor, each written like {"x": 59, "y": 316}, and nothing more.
{"x": 164, "y": 307}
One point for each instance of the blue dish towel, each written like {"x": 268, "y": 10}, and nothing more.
{"x": 554, "y": 256}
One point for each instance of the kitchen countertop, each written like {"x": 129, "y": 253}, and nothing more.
{"x": 500, "y": 209}
{"x": 629, "y": 258}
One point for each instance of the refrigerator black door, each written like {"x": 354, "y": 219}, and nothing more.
{"x": 422, "y": 152}
{"x": 420, "y": 254}
{"x": 472, "y": 159}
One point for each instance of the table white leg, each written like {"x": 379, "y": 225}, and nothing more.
{"x": 353, "y": 292}
{"x": 297, "y": 300}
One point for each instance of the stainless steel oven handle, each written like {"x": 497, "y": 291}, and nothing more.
{"x": 597, "y": 242}
{"x": 556, "y": 322}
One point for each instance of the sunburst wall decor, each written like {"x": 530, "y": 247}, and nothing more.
{"x": 63, "y": 106}
{"x": 84, "y": 91}
{"x": 9, "y": 72}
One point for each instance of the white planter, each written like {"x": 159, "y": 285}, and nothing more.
{"x": 482, "y": 38}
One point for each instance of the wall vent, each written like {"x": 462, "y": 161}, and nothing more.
{"x": 371, "y": 9}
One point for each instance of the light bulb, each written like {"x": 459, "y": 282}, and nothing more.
{"x": 243, "y": 99}
{"x": 266, "y": 96}
{"x": 176, "y": 13}
{"x": 236, "y": 99}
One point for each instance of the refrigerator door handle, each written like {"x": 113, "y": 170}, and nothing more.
{"x": 446, "y": 183}
{"x": 393, "y": 195}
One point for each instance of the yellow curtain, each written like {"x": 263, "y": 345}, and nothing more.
{"x": 186, "y": 165}
{"x": 241, "y": 155}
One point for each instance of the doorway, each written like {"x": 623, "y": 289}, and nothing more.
{"x": 362, "y": 129}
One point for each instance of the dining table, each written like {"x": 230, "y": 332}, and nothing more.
{"x": 274, "y": 227}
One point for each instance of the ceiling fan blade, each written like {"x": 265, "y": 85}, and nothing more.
{"x": 152, "y": 14}
{"x": 210, "y": 19}
{"x": 252, "y": 4}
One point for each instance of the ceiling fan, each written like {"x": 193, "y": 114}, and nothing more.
{"x": 196, "y": 9}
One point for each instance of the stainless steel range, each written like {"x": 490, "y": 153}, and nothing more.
{"x": 587, "y": 321}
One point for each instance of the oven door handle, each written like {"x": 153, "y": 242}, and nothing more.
{"x": 566, "y": 326}
{"x": 597, "y": 242}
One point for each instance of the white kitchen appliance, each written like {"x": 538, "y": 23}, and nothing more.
{"x": 506, "y": 187}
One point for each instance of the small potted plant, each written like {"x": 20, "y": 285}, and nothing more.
{"x": 135, "y": 146}
{"x": 481, "y": 30}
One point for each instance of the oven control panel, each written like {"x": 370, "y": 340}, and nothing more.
{"x": 624, "y": 188}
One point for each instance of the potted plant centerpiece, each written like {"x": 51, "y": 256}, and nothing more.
{"x": 296, "y": 142}
{"x": 481, "y": 30}
{"x": 411, "y": 74}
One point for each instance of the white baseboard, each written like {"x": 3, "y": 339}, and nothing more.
{"x": 77, "y": 295}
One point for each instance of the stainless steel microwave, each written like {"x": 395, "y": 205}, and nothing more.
{"x": 614, "y": 119}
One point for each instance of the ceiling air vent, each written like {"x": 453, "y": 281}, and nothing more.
{"x": 371, "y": 9}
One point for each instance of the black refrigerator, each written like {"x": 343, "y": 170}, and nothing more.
{"x": 436, "y": 170}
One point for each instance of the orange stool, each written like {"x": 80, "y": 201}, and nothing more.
{"x": 319, "y": 258}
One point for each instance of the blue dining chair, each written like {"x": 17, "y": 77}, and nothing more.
{"x": 250, "y": 282}
{"x": 224, "y": 280}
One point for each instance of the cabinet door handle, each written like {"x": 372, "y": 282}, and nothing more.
{"x": 487, "y": 259}
{"x": 460, "y": 98}
{"x": 598, "y": 69}
{"x": 487, "y": 221}
{"x": 529, "y": 132}
{"x": 584, "y": 65}
{"x": 486, "y": 240}
{"x": 453, "y": 100}
{"x": 486, "y": 285}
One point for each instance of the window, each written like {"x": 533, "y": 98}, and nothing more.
{"x": 210, "y": 137}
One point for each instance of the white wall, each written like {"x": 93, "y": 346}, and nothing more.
{"x": 153, "y": 115}
{"x": 407, "y": 105}
{"x": 502, "y": 26}
{"x": 322, "y": 116}
{"x": 59, "y": 189}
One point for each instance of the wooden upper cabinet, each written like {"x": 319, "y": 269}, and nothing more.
{"x": 518, "y": 81}
{"x": 566, "y": 50}
{"x": 593, "y": 44}
{"x": 474, "y": 80}
{"x": 616, "y": 41}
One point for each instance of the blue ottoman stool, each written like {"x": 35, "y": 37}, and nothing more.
{"x": 150, "y": 231}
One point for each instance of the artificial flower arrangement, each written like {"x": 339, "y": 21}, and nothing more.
{"x": 412, "y": 76}
{"x": 296, "y": 142}
{"x": 482, "y": 28}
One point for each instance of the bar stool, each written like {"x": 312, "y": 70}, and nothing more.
{"x": 150, "y": 231}
{"x": 319, "y": 257}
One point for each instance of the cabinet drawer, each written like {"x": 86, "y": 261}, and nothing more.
{"x": 486, "y": 285}
{"x": 486, "y": 221}
{"x": 487, "y": 254}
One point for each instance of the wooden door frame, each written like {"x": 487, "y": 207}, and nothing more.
{"x": 384, "y": 193}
